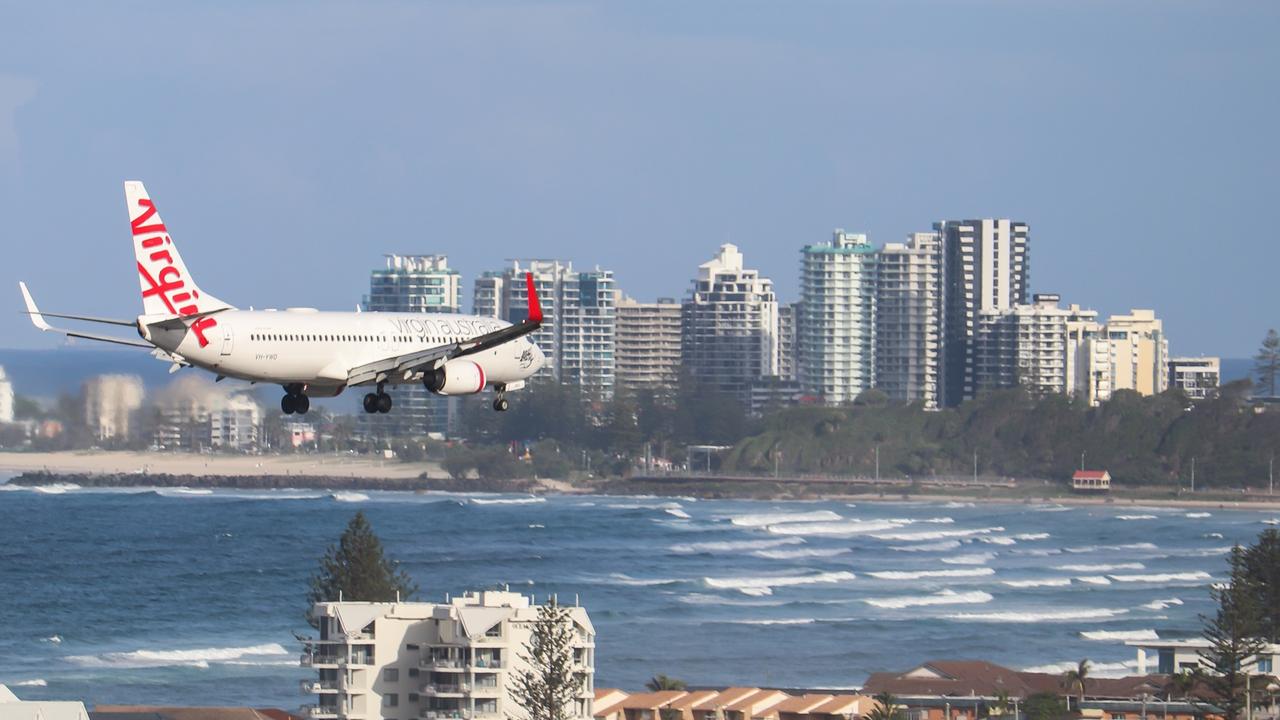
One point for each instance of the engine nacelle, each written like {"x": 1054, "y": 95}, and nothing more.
{"x": 456, "y": 377}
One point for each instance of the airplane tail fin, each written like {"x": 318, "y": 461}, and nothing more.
{"x": 167, "y": 286}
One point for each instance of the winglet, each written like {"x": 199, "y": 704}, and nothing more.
{"x": 535, "y": 307}
{"x": 36, "y": 318}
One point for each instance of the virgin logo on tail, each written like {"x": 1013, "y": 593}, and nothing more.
{"x": 163, "y": 277}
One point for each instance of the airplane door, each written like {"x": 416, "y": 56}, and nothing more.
{"x": 226, "y": 339}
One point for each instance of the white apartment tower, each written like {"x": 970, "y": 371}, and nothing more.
{"x": 577, "y": 333}
{"x": 1028, "y": 345}
{"x": 1139, "y": 352}
{"x": 787, "y": 359}
{"x": 986, "y": 269}
{"x": 110, "y": 402}
{"x": 408, "y": 284}
{"x": 729, "y": 334}
{"x": 6, "y": 398}
{"x": 647, "y": 345}
{"x": 835, "y": 324}
{"x": 1198, "y": 377}
{"x": 909, "y": 320}
{"x": 458, "y": 660}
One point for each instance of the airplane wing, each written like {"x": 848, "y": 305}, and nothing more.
{"x": 37, "y": 319}
{"x": 432, "y": 358}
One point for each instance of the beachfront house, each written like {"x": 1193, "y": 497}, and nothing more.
{"x": 1091, "y": 481}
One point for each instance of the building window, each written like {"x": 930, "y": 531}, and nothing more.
{"x": 391, "y": 700}
{"x": 1264, "y": 665}
{"x": 391, "y": 674}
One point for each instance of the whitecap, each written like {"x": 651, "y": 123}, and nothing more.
{"x": 957, "y": 505}
{"x": 997, "y": 540}
{"x": 1033, "y": 616}
{"x": 778, "y": 518}
{"x": 622, "y": 579}
{"x": 727, "y": 546}
{"x": 1099, "y": 669}
{"x": 1119, "y": 635}
{"x": 1163, "y": 604}
{"x": 56, "y": 488}
{"x": 707, "y": 599}
{"x": 1094, "y": 580}
{"x": 196, "y": 657}
{"x": 1051, "y": 508}
{"x": 1043, "y": 582}
{"x": 943, "y": 597}
{"x": 974, "y": 559}
{"x": 1212, "y": 536}
{"x": 1032, "y": 536}
{"x": 1097, "y": 548}
{"x": 507, "y": 501}
{"x": 801, "y": 553}
{"x": 55, "y": 639}
{"x": 1101, "y": 567}
{"x": 1198, "y": 515}
{"x": 35, "y": 682}
{"x": 1135, "y": 517}
{"x": 536, "y": 526}
{"x": 1196, "y": 576}
{"x": 843, "y": 528}
{"x": 677, "y": 512}
{"x": 928, "y": 547}
{"x": 344, "y": 496}
{"x": 764, "y": 584}
{"x": 923, "y": 574}
{"x": 183, "y": 492}
{"x": 936, "y": 534}
{"x": 783, "y": 621}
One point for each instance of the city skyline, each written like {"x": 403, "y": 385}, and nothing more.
{"x": 1140, "y": 151}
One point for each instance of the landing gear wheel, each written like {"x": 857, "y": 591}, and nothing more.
{"x": 384, "y": 403}
{"x": 288, "y": 404}
{"x": 501, "y": 404}
{"x": 301, "y": 404}
{"x": 371, "y": 403}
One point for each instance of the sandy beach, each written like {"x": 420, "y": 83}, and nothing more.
{"x": 121, "y": 463}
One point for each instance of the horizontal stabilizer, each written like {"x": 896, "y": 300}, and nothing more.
{"x": 37, "y": 319}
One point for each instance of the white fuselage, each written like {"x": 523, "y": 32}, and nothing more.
{"x": 316, "y": 349}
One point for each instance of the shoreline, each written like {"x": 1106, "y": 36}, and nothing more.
{"x": 342, "y": 473}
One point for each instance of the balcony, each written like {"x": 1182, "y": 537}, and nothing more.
{"x": 479, "y": 690}
{"x": 487, "y": 664}
{"x": 445, "y": 664}
{"x": 446, "y": 715}
{"x": 313, "y": 687}
{"x": 456, "y": 690}
{"x": 318, "y": 660}
{"x": 319, "y": 712}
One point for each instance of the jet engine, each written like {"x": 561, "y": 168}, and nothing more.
{"x": 456, "y": 377}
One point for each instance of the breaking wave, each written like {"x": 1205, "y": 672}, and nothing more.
{"x": 944, "y": 597}
{"x": 936, "y": 534}
{"x": 1196, "y": 576}
{"x": 1163, "y": 604}
{"x": 801, "y": 553}
{"x": 1198, "y": 515}
{"x": 778, "y": 518}
{"x": 928, "y": 547}
{"x": 923, "y": 574}
{"x": 733, "y": 545}
{"x": 1135, "y": 517}
{"x": 507, "y": 501}
{"x": 1101, "y": 567}
{"x": 629, "y": 581}
{"x": 1095, "y": 580}
{"x": 1031, "y": 616}
{"x": 1032, "y": 536}
{"x": 974, "y": 559}
{"x": 344, "y": 496}
{"x": 1119, "y": 635}
{"x": 844, "y": 528}
{"x": 36, "y": 682}
{"x": 1044, "y": 582}
{"x": 764, "y": 585}
{"x": 267, "y": 654}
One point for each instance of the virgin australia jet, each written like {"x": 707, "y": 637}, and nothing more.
{"x": 307, "y": 352}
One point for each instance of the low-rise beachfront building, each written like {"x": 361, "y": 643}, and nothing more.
{"x": 457, "y": 660}
{"x": 734, "y": 703}
{"x": 1175, "y": 656}
{"x": 12, "y": 708}
{"x": 1091, "y": 481}
{"x": 972, "y": 689}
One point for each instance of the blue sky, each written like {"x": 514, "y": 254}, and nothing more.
{"x": 289, "y": 144}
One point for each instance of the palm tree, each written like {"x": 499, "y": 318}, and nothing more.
{"x": 886, "y": 708}
{"x": 1000, "y": 707}
{"x": 1182, "y": 683}
{"x": 1077, "y": 679}
{"x": 659, "y": 683}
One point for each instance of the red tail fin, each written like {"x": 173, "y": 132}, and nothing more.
{"x": 535, "y": 307}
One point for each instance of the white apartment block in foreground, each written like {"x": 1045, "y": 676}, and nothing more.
{"x": 1198, "y": 377}
{"x": 835, "y": 323}
{"x": 909, "y": 320}
{"x": 458, "y": 660}
{"x": 1028, "y": 345}
{"x": 6, "y": 398}
{"x": 110, "y": 403}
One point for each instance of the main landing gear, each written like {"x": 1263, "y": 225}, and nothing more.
{"x": 295, "y": 400}
{"x": 379, "y": 402}
{"x": 500, "y": 403}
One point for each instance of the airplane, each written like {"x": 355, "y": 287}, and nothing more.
{"x": 307, "y": 352}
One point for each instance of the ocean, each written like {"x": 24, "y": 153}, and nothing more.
{"x": 192, "y": 597}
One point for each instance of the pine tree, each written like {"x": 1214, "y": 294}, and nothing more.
{"x": 356, "y": 569}
{"x": 1233, "y": 639}
{"x": 1266, "y": 364}
{"x": 1262, "y": 577}
{"x": 546, "y": 690}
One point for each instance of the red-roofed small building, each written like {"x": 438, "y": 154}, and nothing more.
{"x": 1091, "y": 481}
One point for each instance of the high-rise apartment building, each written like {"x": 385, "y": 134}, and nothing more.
{"x": 192, "y": 414}
{"x": 6, "y": 398}
{"x": 1088, "y": 360}
{"x": 729, "y": 335}
{"x": 909, "y": 320}
{"x": 647, "y": 345}
{"x": 1139, "y": 352}
{"x": 421, "y": 661}
{"x": 1027, "y": 345}
{"x": 986, "y": 269}
{"x": 1198, "y": 377}
{"x": 788, "y": 360}
{"x": 110, "y": 402}
{"x": 413, "y": 284}
{"x": 835, "y": 324}
{"x": 579, "y": 318}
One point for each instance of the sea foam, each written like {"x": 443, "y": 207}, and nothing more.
{"x": 974, "y": 559}
{"x": 764, "y": 584}
{"x": 925, "y": 574}
{"x": 943, "y": 597}
{"x": 728, "y": 546}
{"x": 270, "y": 653}
{"x": 1033, "y": 616}
{"x": 1119, "y": 635}
{"x": 778, "y": 518}
{"x": 1042, "y": 582}
{"x": 1196, "y": 576}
